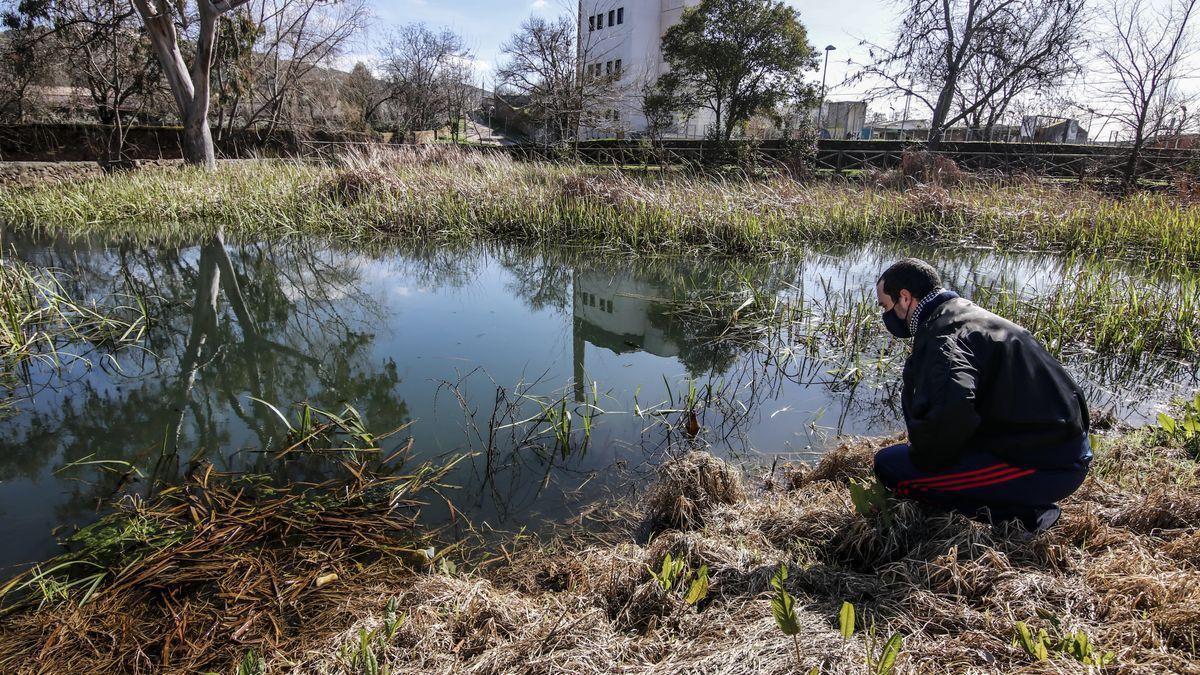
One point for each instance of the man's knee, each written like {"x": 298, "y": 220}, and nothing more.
{"x": 891, "y": 463}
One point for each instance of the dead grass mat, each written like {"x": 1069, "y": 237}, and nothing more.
{"x": 1121, "y": 565}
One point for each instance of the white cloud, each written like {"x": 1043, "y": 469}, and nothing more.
{"x": 539, "y": 4}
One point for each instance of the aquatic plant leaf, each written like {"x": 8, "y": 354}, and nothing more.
{"x": 278, "y": 413}
{"x": 698, "y": 590}
{"x": 887, "y": 658}
{"x": 1034, "y": 646}
{"x": 1167, "y": 423}
{"x": 669, "y": 573}
{"x": 783, "y": 606}
{"x": 846, "y": 620}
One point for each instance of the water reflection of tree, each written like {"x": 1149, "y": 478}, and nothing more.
{"x": 278, "y": 322}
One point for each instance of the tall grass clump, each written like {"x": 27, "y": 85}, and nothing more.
{"x": 443, "y": 192}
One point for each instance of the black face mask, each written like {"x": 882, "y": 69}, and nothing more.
{"x": 895, "y": 325}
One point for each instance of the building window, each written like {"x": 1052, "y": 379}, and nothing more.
{"x": 612, "y": 16}
{"x": 617, "y": 67}
{"x": 608, "y": 67}
{"x": 599, "y": 21}
{"x": 591, "y": 23}
{"x": 620, "y": 15}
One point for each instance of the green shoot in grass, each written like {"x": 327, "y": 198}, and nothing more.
{"x": 1184, "y": 429}
{"x": 885, "y": 662}
{"x": 698, "y": 589}
{"x": 670, "y": 572}
{"x": 252, "y": 663}
{"x": 881, "y": 660}
{"x": 363, "y": 660}
{"x": 391, "y": 619}
{"x": 1075, "y": 644}
{"x": 871, "y": 498}
{"x": 846, "y": 620}
{"x": 783, "y": 608}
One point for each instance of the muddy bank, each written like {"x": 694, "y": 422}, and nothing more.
{"x": 1121, "y": 566}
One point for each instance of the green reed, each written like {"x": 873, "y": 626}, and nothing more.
{"x": 1098, "y": 312}
{"x": 449, "y": 194}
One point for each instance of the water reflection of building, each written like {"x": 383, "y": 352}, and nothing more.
{"x": 618, "y": 313}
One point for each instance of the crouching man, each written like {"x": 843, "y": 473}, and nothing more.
{"x": 996, "y": 428}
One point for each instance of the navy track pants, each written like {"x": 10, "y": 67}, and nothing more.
{"x": 981, "y": 484}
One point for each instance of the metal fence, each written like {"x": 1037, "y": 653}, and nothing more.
{"x": 1044, "y": 159}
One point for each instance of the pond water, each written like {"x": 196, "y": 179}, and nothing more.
{"x": 443, "y": 341}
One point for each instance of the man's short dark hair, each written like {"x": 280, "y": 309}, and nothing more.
{"x": 913, "y": 274}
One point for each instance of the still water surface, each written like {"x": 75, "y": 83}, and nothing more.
{"x": 433, "y": 338}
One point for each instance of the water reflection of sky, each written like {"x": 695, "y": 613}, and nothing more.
{"x": 402, "y": 335}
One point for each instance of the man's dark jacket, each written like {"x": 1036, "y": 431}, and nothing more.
{"x": 977, "y": 382}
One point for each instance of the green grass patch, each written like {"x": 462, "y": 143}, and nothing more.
{"x": 447, "y": 193}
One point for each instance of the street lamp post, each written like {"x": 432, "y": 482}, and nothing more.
{"x": 824, "y": 72}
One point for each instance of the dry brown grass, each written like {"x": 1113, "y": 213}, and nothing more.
{"x": 190, "y": 580}
{"x": 1121, "y": 565}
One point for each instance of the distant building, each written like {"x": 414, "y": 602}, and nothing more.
{"x": 842, "y": 119}
{"x": 622, "y": 39}
{"x": 1043, "y": 129}
{"x": 1176, "y": 141}
{"x": 900, "y": 130}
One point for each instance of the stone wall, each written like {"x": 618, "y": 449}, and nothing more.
{"x": 87, "y": 142}
{"x": 16, "y": 174}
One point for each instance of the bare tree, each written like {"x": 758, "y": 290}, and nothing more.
{"x": 968, "y": 59}
{"x": 1146, "y": 53}
{"x": 1029, "y": 53}
{"x": 299, "y": 37}
{"x": 561, "y": 83}
{"x": 103, "y": 49}
{"x": 460, "y": 96}
{"x": 190, "y": 85}
{"x": 418, "y": 62}
{"x": 25, "y": 60}
{"x": 366, "y": 94}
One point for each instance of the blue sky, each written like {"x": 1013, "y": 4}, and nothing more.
{"x": 486, "y": 24}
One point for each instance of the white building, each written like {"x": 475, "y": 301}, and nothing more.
{"x": 623, "y": 38}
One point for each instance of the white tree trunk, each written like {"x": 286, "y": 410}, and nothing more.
{"x": 189, "y": 87}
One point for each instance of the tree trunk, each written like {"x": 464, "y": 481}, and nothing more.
{"x": 938, "y": 119}
{"x": 190, "y": 88}
{"x": 1130, "y": 174}
{"x": 197, "y": 143}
